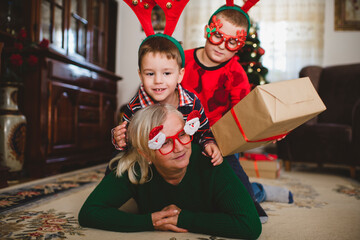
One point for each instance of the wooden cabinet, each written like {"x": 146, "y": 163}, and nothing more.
{"x": 70, "y": 99}
{"x": 70, "y": 109}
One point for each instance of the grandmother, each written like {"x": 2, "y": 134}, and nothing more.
{"x": 175, "y": 186}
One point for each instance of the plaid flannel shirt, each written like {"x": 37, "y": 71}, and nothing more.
{"x": 188, "y": 102}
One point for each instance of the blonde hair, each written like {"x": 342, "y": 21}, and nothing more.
{"x": 138, "y": 136}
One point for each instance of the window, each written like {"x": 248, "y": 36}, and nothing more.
{"x": 52, "y": 23}
{"x": 78, "y": 28}
{"x": 99, "y": 36}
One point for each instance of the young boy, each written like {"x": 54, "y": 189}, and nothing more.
{"x": 214, "y": 74}
{"x": 161, "y": 70}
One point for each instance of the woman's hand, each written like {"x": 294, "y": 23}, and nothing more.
{"x": 212, "y": 150}
{"x": 166, "y": 219}
{"x": 120, "y": 134}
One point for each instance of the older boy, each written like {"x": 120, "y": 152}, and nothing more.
{"x": 214, "y": 74}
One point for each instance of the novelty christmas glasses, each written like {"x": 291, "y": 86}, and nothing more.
{"x": 217, "y": 37}
{"x": 166, "y": 145}
{"x": 169, "y": 144}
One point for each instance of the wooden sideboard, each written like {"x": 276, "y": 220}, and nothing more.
{"x": 70, "y": 109}
{"x": 69, "y": 100}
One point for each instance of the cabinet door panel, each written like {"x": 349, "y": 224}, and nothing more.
{"x": 63, "y": 115}
{"x": 108, "y": 110}
{"x": 89, "y": 136}
{"x": 89, "y": 98}
{"x": 89, "y": 115}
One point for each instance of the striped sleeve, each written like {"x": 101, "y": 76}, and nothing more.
{"x": 204, "y": 134}
{"x": 131, "y": 108}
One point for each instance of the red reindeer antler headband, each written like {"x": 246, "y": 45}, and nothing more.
{"x": 143, "y": 9}
{"x": 172, "y": 10}
{"x": 248, "y": 4}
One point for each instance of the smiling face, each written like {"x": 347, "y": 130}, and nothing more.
{"x": 160, "y": 76}
{"x": 173, "y": 165}
{"x": 217, "y": 54}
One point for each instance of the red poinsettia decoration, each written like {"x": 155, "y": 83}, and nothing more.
{"x": 44, "y": 43}
{"x": 21, "y": 60}
{"x": 16, "y": 60}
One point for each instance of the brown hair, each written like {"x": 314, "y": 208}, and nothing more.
{"x": 159, "y": 45}
{"x": 235, "y": 17}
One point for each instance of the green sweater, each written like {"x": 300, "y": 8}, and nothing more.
{"x": 212, "y": 201}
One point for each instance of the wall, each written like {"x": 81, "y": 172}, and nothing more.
{"x": 129, "y": 37}
{"x": 340, "y": 47}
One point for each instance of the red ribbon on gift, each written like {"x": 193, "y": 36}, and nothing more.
{"x": 260, "y": 140}
{"x": 260, "y": 156}
{"x": 256, "y": 169}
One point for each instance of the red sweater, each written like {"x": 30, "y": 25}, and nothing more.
{"x": 218, "y": 88}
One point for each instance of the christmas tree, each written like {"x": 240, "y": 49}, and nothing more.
{"x": 250, "y": 56}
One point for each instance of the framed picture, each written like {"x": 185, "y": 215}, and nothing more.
{"x": 347, "y": 15}
{"x": 157, "y": 19}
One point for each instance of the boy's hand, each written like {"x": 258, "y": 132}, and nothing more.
{"x": 120, "y": 134}
{"x": 212, "y": 150}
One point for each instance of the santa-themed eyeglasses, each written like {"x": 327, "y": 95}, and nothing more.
{"x": 158, "y": 140}
{"x": 169, "y": 144}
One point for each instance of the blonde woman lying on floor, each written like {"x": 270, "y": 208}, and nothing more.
{"x": 174, "y": 185}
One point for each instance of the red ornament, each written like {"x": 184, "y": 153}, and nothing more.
{"x": 16, "y": 60}
{"x": 22, "y": 34}
{"x": 18, "y": 46}
{"x": 44, "y": 43}
{"x": 261, "y": 51}
{"x": 32, "y": 60}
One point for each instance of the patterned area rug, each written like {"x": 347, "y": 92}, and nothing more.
{"x": 48, "y": 224}
{"x": 325, "y": 207}
{"x": 353, "y": 191}
{"x": 33, "y": 192}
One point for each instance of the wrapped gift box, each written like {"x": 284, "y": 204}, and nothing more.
{"x": 261, "y": 168}
{"x": 268, "y": 112}
{"x": 260, "y": 156}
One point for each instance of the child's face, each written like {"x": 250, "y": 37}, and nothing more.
{"x": 218, "y": 54}
{"x": 160, "y": 76}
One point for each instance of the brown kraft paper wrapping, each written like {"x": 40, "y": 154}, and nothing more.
{"x": 268, "y": 110}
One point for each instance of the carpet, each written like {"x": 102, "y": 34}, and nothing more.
{"x": 326, "y": 206}
{"x": 40, "y": 190}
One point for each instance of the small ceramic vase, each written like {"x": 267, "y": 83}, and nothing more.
{"x": 12, "y": 129}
